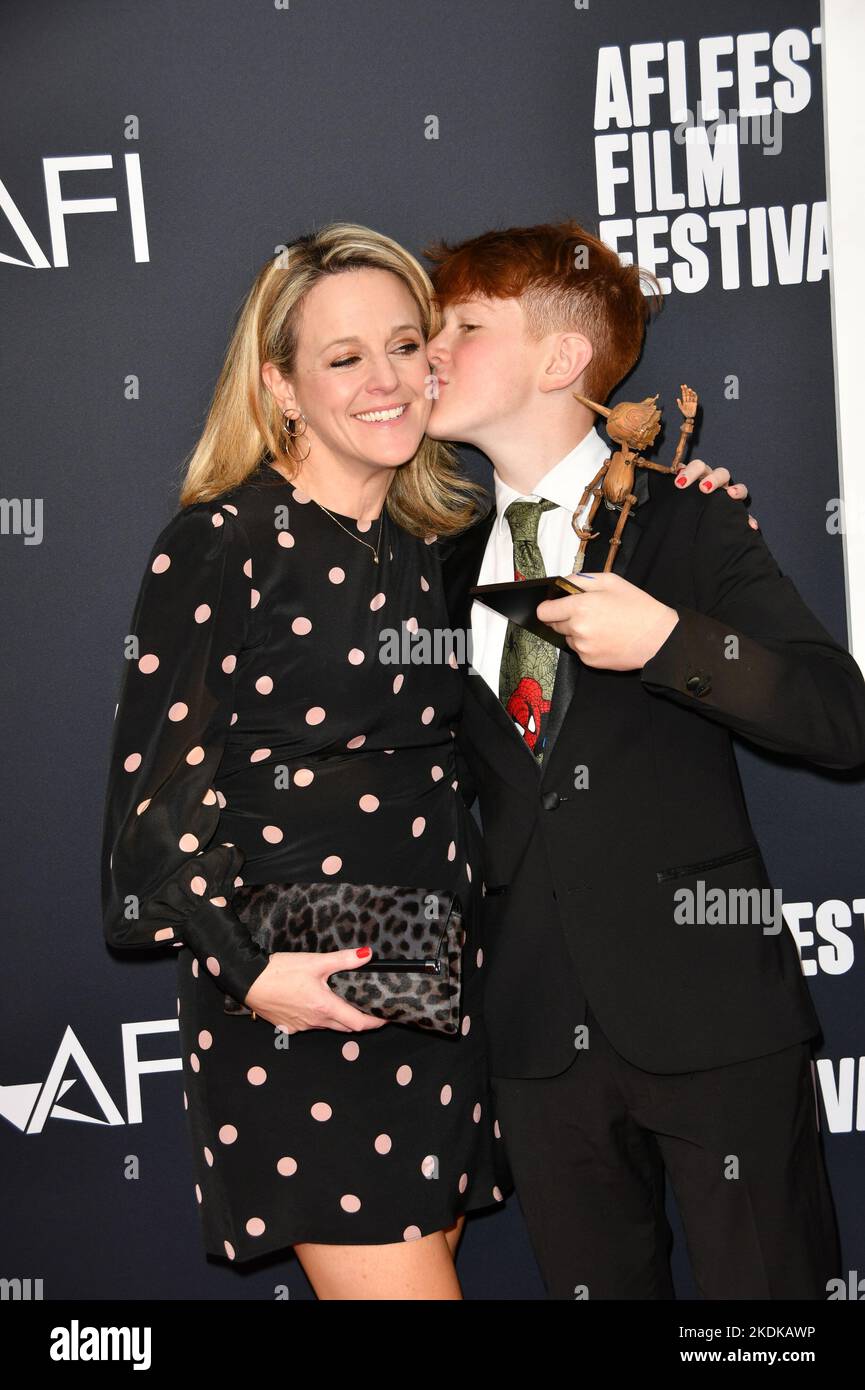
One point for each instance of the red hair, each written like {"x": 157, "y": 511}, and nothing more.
{"x": 566, "y": 280}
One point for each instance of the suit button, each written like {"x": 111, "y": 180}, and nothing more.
{"x": 698, "y": 684}
{"x": 550, "y": 800}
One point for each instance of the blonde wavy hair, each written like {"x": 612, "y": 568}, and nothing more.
{"x": 244, "y": 425}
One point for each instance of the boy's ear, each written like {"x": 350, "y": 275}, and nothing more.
{"x": 565, "y": 363}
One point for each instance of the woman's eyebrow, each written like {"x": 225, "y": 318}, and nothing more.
{"x": 353, "y": 338}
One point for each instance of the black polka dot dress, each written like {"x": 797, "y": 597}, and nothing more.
{"x": 260, "y": 737}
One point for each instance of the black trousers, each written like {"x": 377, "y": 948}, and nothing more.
{"x": 588, "y": 1150}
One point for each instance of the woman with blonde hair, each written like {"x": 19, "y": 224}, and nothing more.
{"x": 266, "y": 742}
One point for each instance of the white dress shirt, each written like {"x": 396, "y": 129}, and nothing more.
{"x": 563, "y": 484}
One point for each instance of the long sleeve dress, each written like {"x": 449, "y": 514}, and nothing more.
{"x": 261, "y": 738}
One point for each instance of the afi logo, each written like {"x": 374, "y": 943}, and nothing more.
{"x": 60, "y": 207}
{"x": 27, "y": 1106}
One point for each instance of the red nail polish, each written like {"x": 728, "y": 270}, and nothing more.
{"x": 364, "y": 951}
{"x": 680, "y": 482}
{"x": 707, "y": 487}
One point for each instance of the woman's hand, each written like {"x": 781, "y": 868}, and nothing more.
{"x": 292, "y": 992}
{"x": 711, "y": 479}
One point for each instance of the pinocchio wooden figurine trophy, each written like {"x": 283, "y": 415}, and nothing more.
{"x": 633, "y": 425}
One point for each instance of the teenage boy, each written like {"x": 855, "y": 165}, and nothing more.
{"x": 628, "y": 1037}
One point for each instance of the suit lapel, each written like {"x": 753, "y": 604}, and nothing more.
{"x": 461, "y": 569}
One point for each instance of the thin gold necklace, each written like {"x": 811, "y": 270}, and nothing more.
{"x": 375, "y": 548}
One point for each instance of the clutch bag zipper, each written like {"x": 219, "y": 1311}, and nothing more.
{"x": 429, "y": 966}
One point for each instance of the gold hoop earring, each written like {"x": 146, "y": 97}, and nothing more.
{"x": 289, "y": 426}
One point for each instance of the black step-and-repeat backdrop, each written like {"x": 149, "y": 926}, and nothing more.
{"x": 153, "y": 157}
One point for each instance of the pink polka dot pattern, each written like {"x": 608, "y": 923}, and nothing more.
{"x": 262, "y": 735}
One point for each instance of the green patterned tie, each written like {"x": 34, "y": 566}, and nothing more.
{"x": 528, "y": 669}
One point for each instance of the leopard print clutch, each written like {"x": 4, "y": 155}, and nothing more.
{"x": 416, "y": 935}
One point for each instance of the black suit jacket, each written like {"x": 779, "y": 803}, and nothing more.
{"x": 581, "y": 879}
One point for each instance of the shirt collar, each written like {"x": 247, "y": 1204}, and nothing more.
{"x": 564, "y": 483}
